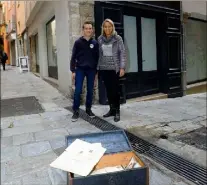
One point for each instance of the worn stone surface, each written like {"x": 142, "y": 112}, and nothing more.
{"x": 23, "y": 139}
{"x": 21, "y": 130}
{"x": 57, "y": 176}
{"x": 35, "y": 149}
{"x": 6, "y": 142}
{"x": 25, "y": 166}
{"x": 50, "y": 134}
{"x": 195, "y": 138}
{"x": 10, "y": 153}
{"x": 58, "y": 143}
{"x": 37, "y": 178}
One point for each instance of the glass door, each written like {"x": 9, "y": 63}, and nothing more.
{"x": 149, "y": 46}
{"x": 140, "y": 38}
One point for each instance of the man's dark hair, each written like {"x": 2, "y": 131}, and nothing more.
{"x": 87, "y": 22}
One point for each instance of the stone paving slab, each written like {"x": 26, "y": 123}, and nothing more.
{"x": 10, "y": 153}
{"x": 23, "y": 139}
{"x": 50, "y": 134}
{"x": 35, "y": 149}
{"x": 22, "y": 130}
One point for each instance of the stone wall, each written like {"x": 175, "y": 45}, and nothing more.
{"x": 79, "y": 12}
{"x": 32, "y": 55}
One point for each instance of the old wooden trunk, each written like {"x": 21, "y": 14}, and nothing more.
{"x": 119, "y": 152}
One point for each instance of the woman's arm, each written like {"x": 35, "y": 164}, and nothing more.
{"x": 122, "y": 53}
{"x": 99, "y": 56}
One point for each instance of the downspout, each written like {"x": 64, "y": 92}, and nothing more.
{"x": 183, "y": 53}
{"x": 16, "y": 39}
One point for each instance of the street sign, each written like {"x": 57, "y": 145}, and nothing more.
{"x": 23, "y": 63}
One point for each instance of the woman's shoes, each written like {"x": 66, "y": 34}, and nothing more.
{"x": 113, "y": 112}
{"x": 117, "y": 115}
{"x": 109, "y": 114}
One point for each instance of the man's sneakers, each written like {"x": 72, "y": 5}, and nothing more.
{"x": 90, "y": 113}
{"x": 75, "y": 116}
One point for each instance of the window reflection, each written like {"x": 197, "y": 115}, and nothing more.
{"x": 52, "y": 49}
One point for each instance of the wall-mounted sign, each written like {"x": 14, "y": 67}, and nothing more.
{"x": 23, "y": 63}
{"x": 13, "y": 36}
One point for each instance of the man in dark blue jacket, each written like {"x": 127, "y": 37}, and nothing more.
{"x": 83, "y": 64}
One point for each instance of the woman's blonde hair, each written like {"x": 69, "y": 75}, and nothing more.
{"x": 113, "y": 27}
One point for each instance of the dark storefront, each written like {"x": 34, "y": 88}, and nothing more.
{"x": 152, "y": 35}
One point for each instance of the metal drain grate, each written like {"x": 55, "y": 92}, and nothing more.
{"x": 20, "y": 106}
{"x": 185, "y": 168}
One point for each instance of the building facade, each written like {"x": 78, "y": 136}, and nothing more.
{"x": 156, "y": 43}
{"x": 195, "y": 41}
{"x": 10, "y": 40}
{"x": 21, "y": 28}
{"x": 1, "y": 27}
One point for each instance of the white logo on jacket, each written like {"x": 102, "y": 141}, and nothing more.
{"x": 91, "y": 46}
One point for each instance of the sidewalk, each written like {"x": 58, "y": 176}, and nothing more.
{"x": 34, "y": 141}
{"x": 167, "y": 124}
{"x": 29, "y": 143}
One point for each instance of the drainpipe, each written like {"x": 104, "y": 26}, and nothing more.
{"x": 28, "y": 48}
{"x": 183, "y": 53}
{"x": 16, "y": 39}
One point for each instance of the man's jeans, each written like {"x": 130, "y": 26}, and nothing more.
{"x": 80, "y": 74}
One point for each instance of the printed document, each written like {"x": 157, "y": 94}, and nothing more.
{"x": 79, "y": 158}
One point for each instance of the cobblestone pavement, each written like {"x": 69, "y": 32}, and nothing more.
{"x": 163, "y": 122}
{"x": 29, "y": 143}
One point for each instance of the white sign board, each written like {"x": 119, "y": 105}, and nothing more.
{"x": 23, "y": 64}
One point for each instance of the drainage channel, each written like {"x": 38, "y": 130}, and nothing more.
{"x": 187, "y": 169}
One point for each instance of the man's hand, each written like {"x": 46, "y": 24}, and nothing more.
{"x": 122, "y": 72}
{"x": 96, "y": 80}
{"x": 73, "y": 75}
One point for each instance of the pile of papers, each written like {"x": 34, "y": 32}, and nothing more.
{"x": 79, "y": 158}
{"x": 132, "y": 164}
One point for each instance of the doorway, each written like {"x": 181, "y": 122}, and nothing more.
{"x": 13, "y": 53}
{"x": 52, "y": 49}
{"x": 37, "y": 53}
{"x": 141, "y": 38}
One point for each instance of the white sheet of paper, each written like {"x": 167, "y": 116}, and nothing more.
{"x": 24, "y": 63}
{"x": 79, "y": 158}
{"x": 133, "y": 164}
{"x": 107, "y": 170}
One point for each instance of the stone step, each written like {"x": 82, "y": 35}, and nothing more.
{"x": 200, "y": 87}
{"x": 149, "y": 97}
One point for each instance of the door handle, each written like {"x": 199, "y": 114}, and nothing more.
{"x": 143, "y": 60}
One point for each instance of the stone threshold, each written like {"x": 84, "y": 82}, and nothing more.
{"x": 148, "y": 98}
{"x": 197, "y": 84}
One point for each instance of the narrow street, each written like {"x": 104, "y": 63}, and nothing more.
{"x": 34, "y": 123}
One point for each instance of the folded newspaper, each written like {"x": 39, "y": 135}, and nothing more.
{"x": 79, "y": 158}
